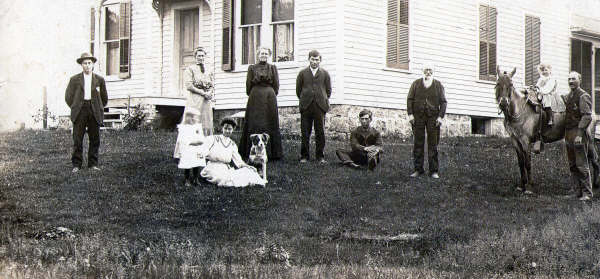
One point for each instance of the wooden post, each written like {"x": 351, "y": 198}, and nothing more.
{"x": 45, "y": 107}
{"x": 129, "y": 105}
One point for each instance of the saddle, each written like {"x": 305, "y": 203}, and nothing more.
{"x": 534, "y": 99}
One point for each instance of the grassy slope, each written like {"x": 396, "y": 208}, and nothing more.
{"x": 134, "y": 220}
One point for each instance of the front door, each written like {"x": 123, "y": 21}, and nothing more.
{"x": 188, "y": 41}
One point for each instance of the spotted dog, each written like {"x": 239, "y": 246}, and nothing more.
{"x": 258, "y": 152}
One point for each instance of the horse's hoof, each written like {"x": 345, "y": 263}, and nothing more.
{"x": 527, "y": 192}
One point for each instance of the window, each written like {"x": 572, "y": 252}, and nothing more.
{"x": 92, "y": 29}
{"x": 269, "y": 23}
{"x": 487, "y": 42}
{"x": 397, "y": 34}
{"x": 116, "y": 38}
{"x": 283, "y": 30}
{"x": 532, "y": 49}
{"x": 480, "y": 125}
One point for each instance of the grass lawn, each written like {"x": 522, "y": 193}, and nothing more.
{"x": 135, "y": 220}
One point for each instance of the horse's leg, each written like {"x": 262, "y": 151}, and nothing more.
{"x": 521, "y": 159}
{"x": 527, "y": 162}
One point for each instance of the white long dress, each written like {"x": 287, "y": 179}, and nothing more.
{"x": 550, "y": 98}
{"x": 220, "y": 152}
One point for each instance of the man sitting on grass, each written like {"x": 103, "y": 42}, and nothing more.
{"x": 365, "y": 142}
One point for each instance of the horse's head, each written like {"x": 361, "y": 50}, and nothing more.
{"x": 504, "y": 87}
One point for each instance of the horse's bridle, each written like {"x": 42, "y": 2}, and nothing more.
{"x": 510, "y": 116}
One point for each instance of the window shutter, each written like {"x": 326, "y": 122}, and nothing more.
{"x": 92, "y": 29}
{"x": 483, "y": 47}
{"x": 532, "y": 49}
{"x": 492, "y": 43}
{"x": 536, "y": 47}
{"x": 597, "y": 81}
{"x": 403, "y": 35}
{"x": 528, "y": 52}
{"x": 487, "y": 42}
{"x": 392, "y": 33}
{"x": 397, "y": 34}
{"x": 124, "y": 40}
{"x": 227, "y": 53}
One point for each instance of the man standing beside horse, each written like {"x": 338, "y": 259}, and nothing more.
{"x": 581, "y": 151}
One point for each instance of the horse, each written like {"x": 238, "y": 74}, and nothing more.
{"x": 522, "y": 123}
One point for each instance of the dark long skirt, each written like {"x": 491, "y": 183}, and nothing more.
{"x": 262, "y": 116}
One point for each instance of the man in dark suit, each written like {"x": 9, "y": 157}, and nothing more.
{"x": 426, "y": 107}
{"x": 313, "y": 88}
{"x": 86, "y": 96}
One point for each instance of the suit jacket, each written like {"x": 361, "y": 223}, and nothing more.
{"x": 74, "y": 96}
{"x": 317, "y": 88}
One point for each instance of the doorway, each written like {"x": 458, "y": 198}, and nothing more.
{"x": 188, "y": 40}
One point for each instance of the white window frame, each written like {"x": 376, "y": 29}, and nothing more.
{"x": 266, "y": 35}
{"x": 101, "y": 44}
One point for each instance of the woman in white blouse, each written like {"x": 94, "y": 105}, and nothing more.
{"x": 224, "y": 165}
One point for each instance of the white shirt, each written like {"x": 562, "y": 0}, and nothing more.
{"x": 87, "y": 87}
{"x": 314, "y": 71}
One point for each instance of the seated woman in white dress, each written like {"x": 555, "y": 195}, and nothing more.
{"x": 220, "y": 151}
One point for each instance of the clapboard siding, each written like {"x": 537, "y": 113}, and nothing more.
{"x": 446, "y": 33}
{"x": 230, "y": 87}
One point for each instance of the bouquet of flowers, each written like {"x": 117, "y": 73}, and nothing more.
{"x": 204, "y": 85}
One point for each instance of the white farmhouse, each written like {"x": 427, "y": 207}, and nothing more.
{"x": 373, "y": 50}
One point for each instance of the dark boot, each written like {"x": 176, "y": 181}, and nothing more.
{"x": 549, "y": 116}
{"x": 538, "y": 146}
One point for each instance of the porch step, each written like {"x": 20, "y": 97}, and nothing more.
{"x": 114, "y": 118}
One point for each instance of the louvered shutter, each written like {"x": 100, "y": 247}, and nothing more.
{"x": 597, "y": 81}
{"x": 532, "y": 49}
{"x": 92, "y": 29}
{"x": 227, "y": 53}
{"x": 487, "y": 42}
{"x": 124, "y": 39}
{"x": 397, "y": 34}
{"x": 483, "y": 47}
{"x": 492, "y": 43}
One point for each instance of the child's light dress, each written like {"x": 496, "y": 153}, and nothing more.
{"x": 189, "y": 155}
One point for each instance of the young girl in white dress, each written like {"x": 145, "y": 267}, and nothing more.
{"x": 188, "y": 146}
{"x": 220, "y": 151}
{"x": 546, "y": 86}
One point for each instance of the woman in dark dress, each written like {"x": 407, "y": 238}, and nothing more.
{"x": 262, "y": 114}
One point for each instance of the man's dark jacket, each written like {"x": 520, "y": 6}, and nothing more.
{"x": 75, "y": 93}
{"x": 317, "y": 88}
{"x": 421, "y": 101}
